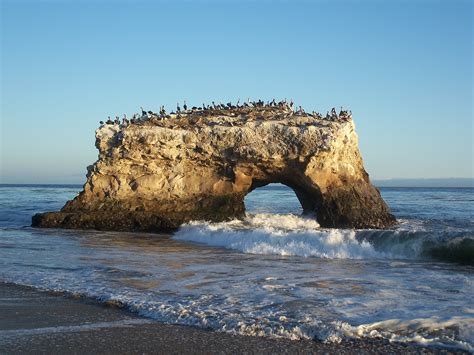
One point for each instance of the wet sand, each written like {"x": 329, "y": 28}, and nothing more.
{"x": 35, "y": 322}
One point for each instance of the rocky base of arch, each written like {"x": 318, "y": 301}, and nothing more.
{"x": 163, "y": 217}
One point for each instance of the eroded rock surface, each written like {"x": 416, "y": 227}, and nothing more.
{"x": 157, "y": 174}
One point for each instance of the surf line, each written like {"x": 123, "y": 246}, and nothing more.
{"x": 72, "y": 328}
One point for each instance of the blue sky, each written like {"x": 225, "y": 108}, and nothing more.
{"x": 404, "y": 68}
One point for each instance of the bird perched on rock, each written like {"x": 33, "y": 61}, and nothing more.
{"x": 185, "y": 106}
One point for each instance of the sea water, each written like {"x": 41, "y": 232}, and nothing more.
{"x": 274, "y": 273}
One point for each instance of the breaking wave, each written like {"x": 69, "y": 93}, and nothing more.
{"x": 291, "y": 235}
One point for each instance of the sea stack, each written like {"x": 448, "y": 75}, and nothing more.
{"x": 156, "y": 174}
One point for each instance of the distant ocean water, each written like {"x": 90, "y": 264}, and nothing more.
{"x": 273, "y": 274}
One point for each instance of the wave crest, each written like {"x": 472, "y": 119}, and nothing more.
{"x": 290, "y": 235}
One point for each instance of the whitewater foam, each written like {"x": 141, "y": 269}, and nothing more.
{"x": 281, "y": 235}
{"x": 290, "y": 235}
{"x": 429, "y": 331}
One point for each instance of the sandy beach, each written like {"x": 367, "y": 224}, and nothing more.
{"x": 44, "y": 323}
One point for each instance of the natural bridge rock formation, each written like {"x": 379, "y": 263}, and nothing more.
{"x": 154, "y": 175}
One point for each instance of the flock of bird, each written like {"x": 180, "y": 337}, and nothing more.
{"x": 225, "y": 109}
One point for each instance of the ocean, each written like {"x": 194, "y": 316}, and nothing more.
{"x": 273, "y": 274}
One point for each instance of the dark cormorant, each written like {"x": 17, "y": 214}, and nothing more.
{"x": 143, "y": 111}
{"x": 185, "y": 106}
{"x": 178, "y": 109}
{"x": 101, "y": 122}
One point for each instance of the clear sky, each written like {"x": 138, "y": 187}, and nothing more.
{"x": 404, "y": 68}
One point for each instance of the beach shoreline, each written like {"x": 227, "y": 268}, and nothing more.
{"x": 34, "y": 321}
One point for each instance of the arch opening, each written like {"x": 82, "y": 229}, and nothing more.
{"x": 273, "y": 198}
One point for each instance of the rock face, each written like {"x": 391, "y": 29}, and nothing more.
{"x": 154, "y": 175}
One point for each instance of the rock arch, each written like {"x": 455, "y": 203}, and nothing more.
{"x": 156, "y": 176}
